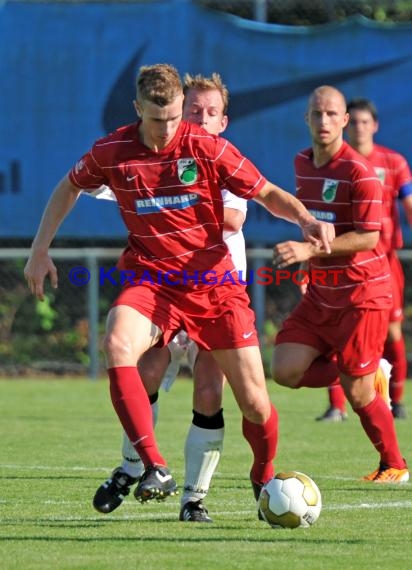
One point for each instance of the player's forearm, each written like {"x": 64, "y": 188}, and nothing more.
{"x": 284, "y": 205}
{"x": 59, "y": 205}
{"x": 348, "y": 243}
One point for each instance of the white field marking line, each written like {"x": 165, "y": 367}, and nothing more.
{"x": 54, "y": 468}
{"x": 76, "y": 518}
{"x": 337, "y": 478}
{"x": 106, "y": 470}
{"x": 110, "y": 469}
{"x": 338, "y": 507}
{"x": 165, "y": 517}
{"x": 172, "y": 505}
{"x": 365, "y": 506}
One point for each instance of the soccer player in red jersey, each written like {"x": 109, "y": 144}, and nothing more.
{"x": 205, "y": 103}
{"x": 167, "y": 176}
{"x": 393, "y": 171}
{"x": 345, "y": 310}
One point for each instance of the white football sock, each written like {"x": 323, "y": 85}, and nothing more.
{"x": 132, "y": 464}
{"x": 202, "y": 454}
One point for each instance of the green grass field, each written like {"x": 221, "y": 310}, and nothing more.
{"x": 60, "y": 439}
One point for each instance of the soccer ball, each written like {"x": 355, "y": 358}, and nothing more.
{"x": 290, "y": 500}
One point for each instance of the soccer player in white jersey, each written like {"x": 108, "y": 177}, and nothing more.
{"x": 205, "y": 103}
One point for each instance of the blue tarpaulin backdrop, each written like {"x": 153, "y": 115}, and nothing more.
{"x": 68, "y": 78}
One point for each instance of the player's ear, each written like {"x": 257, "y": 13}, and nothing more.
{"x": 137, "y": 108}
{"x": 346, "y": 120}
{"x": 224, "y": 123}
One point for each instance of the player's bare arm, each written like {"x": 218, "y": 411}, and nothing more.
{"x": 284, "y": 205}
{"x": 233, "y": 219}
{"x": 39, "y": 264}
{"x": 407, "y": 207}
{"x": 289, "y": 252}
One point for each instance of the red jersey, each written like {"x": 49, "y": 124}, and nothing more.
{"x": 171, "y": 200}
{"x": 347, "y": 193}
{"x": 393, "y": 172}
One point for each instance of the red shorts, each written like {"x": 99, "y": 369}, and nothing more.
{"x": 398, "y": 285}
{"x": 356, "y": 335}
{"x": 215, "y": 318}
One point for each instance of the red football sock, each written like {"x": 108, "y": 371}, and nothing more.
{"x": 322, "y": 372}
{"x": 132, "y": 405}
{"x": 263, "y": 439}
{"x": 337, "y": 398}
{"x": 395, "y": 352}
{"x": 378, "y": 423}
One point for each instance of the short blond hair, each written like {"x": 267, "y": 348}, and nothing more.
{"x": 159, "y": 84}
{"x": 205, "y": 84}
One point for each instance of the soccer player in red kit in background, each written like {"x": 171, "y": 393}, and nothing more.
{"x": 167, "y": 176}
{"x": 393, "y": 171}
{"x": 346, "y": 312}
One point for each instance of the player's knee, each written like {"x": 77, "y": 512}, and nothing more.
{"x": 286, "y": 377}
{"x": 285, "y": 372}
{"x": 208, "y": 400}
{"x": 360, "y": 394}
{"x": 151, "y": 378}
{"x": 117, "y": 346}
{"x": 257, "y": 410}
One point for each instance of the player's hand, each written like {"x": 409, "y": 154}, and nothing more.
{"x": 38, "y": 267}
{"x": 289, "y": 252}
{"x": 320, "y": 234}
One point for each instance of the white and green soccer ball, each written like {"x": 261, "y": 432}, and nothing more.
{"x": 290, "y": 500}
